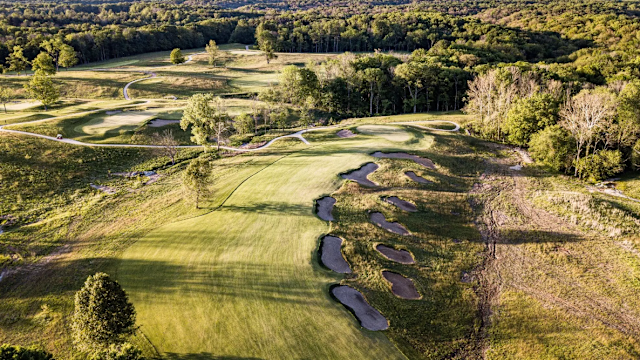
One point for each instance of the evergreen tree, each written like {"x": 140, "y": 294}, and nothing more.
{"x": 103, "y": 315}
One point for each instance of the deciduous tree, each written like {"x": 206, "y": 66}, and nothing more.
{"x": 6, "y": 95}
{"x": 43, "y": 63}
{"x": 197, "y": 178}
{"x": 42, "y": 88}
{"x": 199, "y": 115}
{"x": 213, "y": 51}
{"x": 17, "y": 61}
{"x": 168, "y": 144}
{"x": 585, "y": 116}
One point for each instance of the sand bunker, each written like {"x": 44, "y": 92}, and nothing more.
{"x": 105, "y": 189}
{"x": 325, "y": 207}
{"x": 369, "y": 317}
{"x": 420, "y": 160}
{"x": 345, "y": 134}
{"x": 17, "y": 106}
{"x": 360, "y": 175}
{"x": 417, "y": 178}
{"x": 331, "y": 255}
{"x": 379, "y": 219}
{"x": 401, "y": 286}
{"x": 161, "y": 123}
{"x": 401, "y": 204}
{"x": 399, "y": 256}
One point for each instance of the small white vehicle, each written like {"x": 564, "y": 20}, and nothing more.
{"x": 59, "y": 136}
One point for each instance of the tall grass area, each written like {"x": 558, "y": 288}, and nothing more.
{"x": 443, "y": 241}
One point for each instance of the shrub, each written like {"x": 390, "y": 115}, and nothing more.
{"x": 600, "y": 165}
{"x": 8, "y": 352}
{"x": 552, "y": 147}
{"x": 528, "y": 116}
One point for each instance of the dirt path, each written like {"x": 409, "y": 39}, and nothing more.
{"x": 125, "y": 90}
{"x": 522, "y": 244}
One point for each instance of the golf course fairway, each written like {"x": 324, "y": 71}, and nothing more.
{"x": 243, "y": 281}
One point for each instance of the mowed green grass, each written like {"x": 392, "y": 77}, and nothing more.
{"x": 243, "y": 281}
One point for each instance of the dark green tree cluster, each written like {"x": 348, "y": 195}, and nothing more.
{"x": 407, "y": 31}
{"x": 364, "y": 85}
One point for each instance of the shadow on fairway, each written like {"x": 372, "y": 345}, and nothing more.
{"x": 202, "y": 356}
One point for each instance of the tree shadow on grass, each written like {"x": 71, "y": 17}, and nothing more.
{"x": 203, "y": 356}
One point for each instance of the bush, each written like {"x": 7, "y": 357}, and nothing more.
{"x": 528, "y": 116}
{"x": 600, "y": 166}
{"x": 8, "y": 352}
{"x": 103, "y": 314}
{"x": 552, "y": 147}
{"x": 239, "y": 139}
{"x": 635, "y": 156}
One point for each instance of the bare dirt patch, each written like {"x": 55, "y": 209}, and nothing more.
{"x": 370, "y": 318}
{"x": 331, "y": 255}
{"x": 399, "y": 256}
{"x": 345, "y": 133}
{"x": 399, "y": 155}
{"x": 417, "y": 178}
{"x": 401, "y": 286}
{"x": 324, "y": 208}
{"x": 360, "y": 175}
{"x": 401, "y": 204}
{"x": 379, "y": 219}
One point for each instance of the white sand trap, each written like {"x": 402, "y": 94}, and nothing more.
{"x": 105, "y": 189}
{"x": 390, "y": 133}
{"x": 401, "y": 286}
{"x": 360, "y": 175}
{"x": 161, "y": 123}
{"x": 401, "y": 204}
{"x": 379, "y": 219}
{"x": 101, "y": 125}
{"x": 420, "y": 160}
{"x": 369, "y": 318}
{"x": 325, "y": 207}
{"x": 23, "y": 105}
{"x": 417, "y": 178}
{"x": 331, "y": 255}
{"x": 345, "y": 133}
{"x": 399, "y": 256}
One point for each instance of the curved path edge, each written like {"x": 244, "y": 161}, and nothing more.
{"x": 297, "y": 135}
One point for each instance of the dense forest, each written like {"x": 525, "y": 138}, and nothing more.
{"x": 499, "y": 60}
